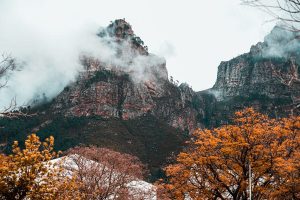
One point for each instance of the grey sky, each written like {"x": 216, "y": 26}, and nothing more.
{"x": 193, "y": 35}
{"x": 198, "y": 34}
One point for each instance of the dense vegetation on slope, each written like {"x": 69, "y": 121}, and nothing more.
{"x": 146, "y": 137}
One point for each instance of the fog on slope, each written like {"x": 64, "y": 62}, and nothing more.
{"x": 47, "y": 47}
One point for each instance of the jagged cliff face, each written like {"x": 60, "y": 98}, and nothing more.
{"x": 269, "y": 72}
{"x": 255, "y": 72}
{"x": 248, "y": 75}
{"x": 112, "y": 95}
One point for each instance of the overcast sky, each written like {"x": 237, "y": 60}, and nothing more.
{"x": 193, "y": 35}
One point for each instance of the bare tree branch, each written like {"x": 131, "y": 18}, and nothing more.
{"x": 288, "y": 13}
{"x": 106, "y": 174}
{"x": 285, "y": 11}
{"x": 7, "y": 66}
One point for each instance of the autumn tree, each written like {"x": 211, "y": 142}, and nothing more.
{"x": 221, "y": 162}
{"x": 106, "y": 174}
{"x": 29, "y": 174}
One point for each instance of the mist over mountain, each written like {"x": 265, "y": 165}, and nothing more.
{"x": 48, "y": 50}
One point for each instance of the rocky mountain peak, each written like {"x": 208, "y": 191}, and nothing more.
{"x": 122, "y": 31}
{"x": 120, "y": 28}
{"x": 138, "y": 87}
{"x": 266, "y": 78}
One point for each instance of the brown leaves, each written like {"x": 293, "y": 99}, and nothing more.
{"x": 217, "y": 162}
{"x": 106, "y": 174}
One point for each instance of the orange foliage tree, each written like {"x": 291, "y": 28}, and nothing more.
{"x": 29, "y": 174}
{"x": 218, "y": 161}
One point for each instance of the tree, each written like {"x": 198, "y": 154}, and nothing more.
{"x": 216, "y": 164}
{"x": 7, "y": 66}
{"x": 29, "y": 174}
{"x": 286, "y": 11}
{"x": 106, "y": 174}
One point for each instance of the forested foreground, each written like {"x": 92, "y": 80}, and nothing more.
{"x": 256, "y": 156}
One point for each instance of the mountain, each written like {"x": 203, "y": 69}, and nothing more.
{"x": 116, "y": 92}
{"x": 130, "y": 105}
{"x": 266, "y": 78}
{"x": 253, "y": 73}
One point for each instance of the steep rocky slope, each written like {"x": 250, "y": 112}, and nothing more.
{"x": 113, "y": 91}
{"x": 255, "y": 72}
{"x": 266, "y": 78}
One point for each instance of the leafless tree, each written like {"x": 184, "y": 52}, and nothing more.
{"x": 106, "y": 174}
{"x": 7, "y": 66}
{"x": 285, "y": 11}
